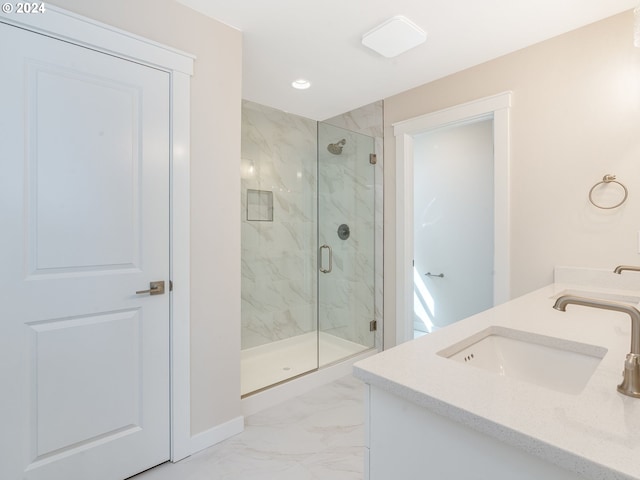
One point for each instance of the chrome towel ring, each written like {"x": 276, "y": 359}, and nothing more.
{"x": 608, "y": 179}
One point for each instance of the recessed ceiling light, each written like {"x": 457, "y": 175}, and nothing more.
{"x": 395, "y": 36}
{"x": 301, "y": 84}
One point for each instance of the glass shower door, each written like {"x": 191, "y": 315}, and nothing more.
{"x": 346, "y": 222}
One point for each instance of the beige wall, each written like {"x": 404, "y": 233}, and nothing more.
{"x": 575, "y": 117}
{"x": 215, "y": 190}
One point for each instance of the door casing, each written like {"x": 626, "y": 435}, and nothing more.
{"x": 64, "y": 25}
{"x": 498, "y": 106}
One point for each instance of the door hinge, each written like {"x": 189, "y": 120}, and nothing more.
{"x": 373, "y": 325}
{"x": 373, "y": 158}
{"x": 171, "y": 285}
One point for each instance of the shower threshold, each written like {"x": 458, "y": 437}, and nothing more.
{"x": 276, "y": 362}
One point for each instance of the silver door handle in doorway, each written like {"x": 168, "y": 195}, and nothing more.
{"x": 155, "y": 288}
{"x": 326, "y": 270}
{"x": 429, "y": 274}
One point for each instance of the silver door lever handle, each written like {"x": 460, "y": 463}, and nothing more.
{"x": 429, "y": 274}
{"x": 155, "y": 288}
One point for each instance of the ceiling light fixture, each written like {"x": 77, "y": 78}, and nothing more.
{"x": 395, "y": 36}
{"x": 301, "y": 84}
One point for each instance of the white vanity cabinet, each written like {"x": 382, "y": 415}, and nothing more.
{"x": 408, "y": 442}
{"x": 430, "y": 416}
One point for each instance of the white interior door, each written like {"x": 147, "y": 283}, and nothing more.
{"x": 453, "y": 224}
{"x": 84, "y": 209}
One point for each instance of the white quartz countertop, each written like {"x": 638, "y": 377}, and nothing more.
{"x": 595, "y": 433}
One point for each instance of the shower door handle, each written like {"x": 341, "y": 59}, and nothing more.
{"x": 326, "y": 270}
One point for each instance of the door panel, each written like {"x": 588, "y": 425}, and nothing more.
{"x": 108, "y": 371}
{"x": 75, "y": 220}
{"x": 84, "y": 203}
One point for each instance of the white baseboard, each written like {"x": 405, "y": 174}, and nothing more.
{"x": 217, "y": 434}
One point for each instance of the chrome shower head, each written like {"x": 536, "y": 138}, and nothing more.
{"x": 336, "y": 148}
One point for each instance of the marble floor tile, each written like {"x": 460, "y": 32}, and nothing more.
{"x": 316, "y": 436}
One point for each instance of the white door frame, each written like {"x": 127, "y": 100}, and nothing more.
{"x": 64, "y": 25}
{"x": 498, "y": 106}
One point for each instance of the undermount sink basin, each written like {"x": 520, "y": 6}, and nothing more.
{"x": 549, "y": 362}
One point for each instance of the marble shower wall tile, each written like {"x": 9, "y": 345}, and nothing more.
{"x": 278, "y": 264}
{"x": 366, "y": 120}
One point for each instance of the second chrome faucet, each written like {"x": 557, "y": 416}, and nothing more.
{"x": 621, "y": 268}
{"x": 631, "y": 377}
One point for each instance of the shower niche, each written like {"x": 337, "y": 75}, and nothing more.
{"x": 309, "y": 296}
{"x": 259, "y": 205}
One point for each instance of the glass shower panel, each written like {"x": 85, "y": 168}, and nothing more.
{"x": 279, "y": 185}
{"x": 346, "y": 222}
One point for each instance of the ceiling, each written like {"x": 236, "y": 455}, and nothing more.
{"x": 320, "y": 40}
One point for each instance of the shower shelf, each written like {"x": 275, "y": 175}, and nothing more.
{"x": 259, "y": 205}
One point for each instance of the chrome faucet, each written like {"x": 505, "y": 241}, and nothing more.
{"x": 620, "y": 268}
{"x": 631, "y": 376}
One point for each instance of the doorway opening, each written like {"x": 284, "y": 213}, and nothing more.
{"x": 453, "y": 223}
{"x": 411, "y": 281}
{"x": 92, "y": 63}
